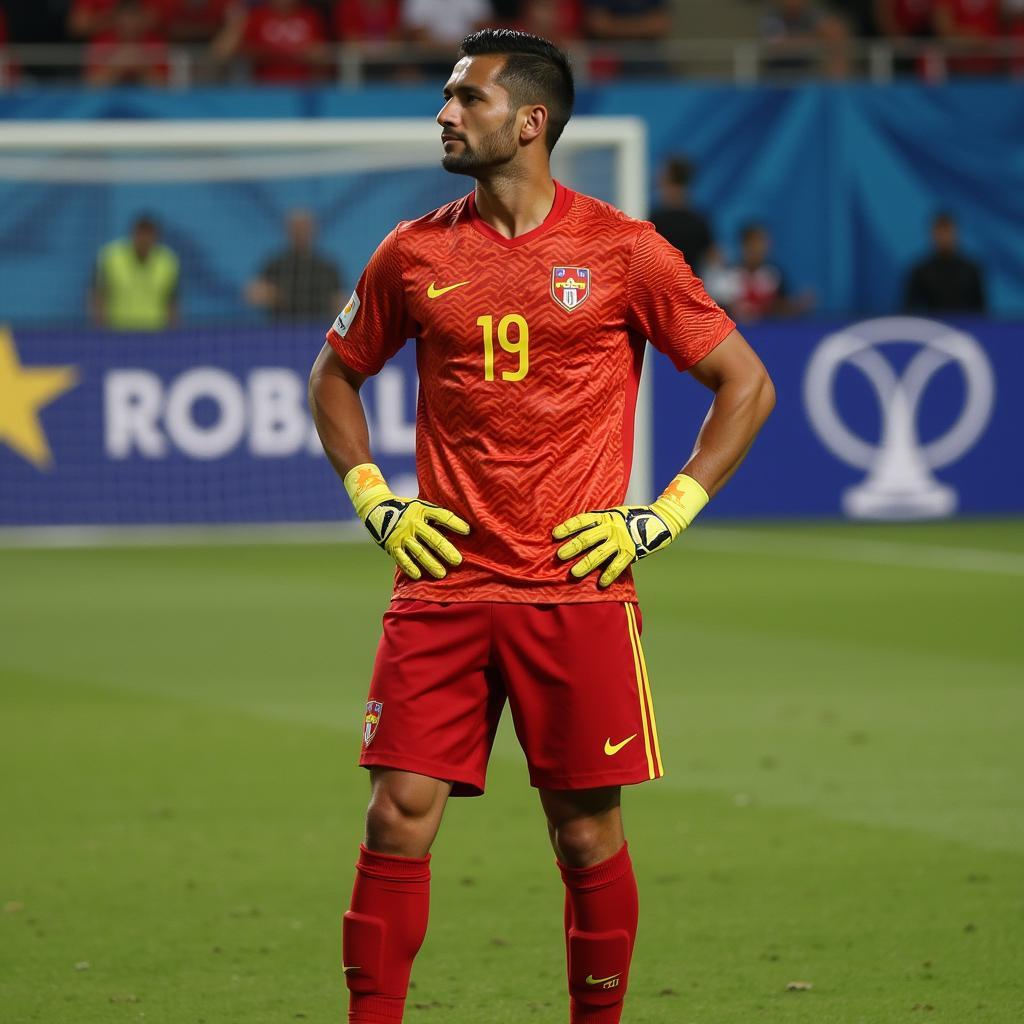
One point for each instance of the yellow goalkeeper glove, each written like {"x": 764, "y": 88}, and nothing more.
{"x": 617, "y": 537}
{"x": 401, "y": 526}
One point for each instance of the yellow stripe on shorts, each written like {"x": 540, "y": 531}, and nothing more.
{"x": 657, "y": 769}
{"x": 634, "y": 641}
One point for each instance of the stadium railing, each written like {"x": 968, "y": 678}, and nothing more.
{"x": 742, "y": 61}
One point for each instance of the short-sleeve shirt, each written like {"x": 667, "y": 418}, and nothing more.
{"x": 276, "y": 41}
{"x": 307, "y": 284}
{"x": 449, "y": 20}
{"x": 529, "y": 353}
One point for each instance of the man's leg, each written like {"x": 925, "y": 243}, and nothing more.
{"x": 601, "y": 899}
{"x": 384, "y": 929}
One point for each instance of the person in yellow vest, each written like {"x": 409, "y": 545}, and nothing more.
{"x": 136, "y": 285}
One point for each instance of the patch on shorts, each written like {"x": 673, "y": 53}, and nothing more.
{"x": 372, "y": 720}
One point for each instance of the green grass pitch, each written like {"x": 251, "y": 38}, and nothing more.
{"x": 841, "y": 713}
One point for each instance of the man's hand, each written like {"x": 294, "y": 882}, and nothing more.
{"x": 401, "y": 526}
{"x": 617, "y": 537}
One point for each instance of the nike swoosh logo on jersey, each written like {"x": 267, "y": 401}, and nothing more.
{"x": 433, "y": 293}
{"x": 613, "y": 748}
{"x": 591, "y": 980}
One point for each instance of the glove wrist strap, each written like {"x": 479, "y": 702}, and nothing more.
{"x": 366, "y": 487}
{"x": 680, "y": 502}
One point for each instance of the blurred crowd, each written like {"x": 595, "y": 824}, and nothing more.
{"x": 137, "y": 279}
{"x": 296, "y": 41}
{"x": 744, "y": 278}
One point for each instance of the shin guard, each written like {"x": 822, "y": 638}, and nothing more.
{"x": 382, "y": 933}
{"x": 598, "y": 968}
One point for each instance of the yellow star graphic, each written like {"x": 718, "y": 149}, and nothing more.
{"x": 24, "y": 390}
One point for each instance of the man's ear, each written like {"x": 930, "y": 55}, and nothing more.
{"x": 535, "y": 124}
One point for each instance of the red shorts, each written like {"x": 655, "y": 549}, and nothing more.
{"x": 573, "y": 674}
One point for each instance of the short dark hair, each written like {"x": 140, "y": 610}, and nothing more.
{"x": 678, "y": 170}
{"x": 752, "y": 228}
{"x": 535, "y": 71}
{"x": 145, "y": 221}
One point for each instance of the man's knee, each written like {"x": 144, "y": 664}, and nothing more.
{"x": 585, "y": 841}
{"x": 404, "y": 813}
{"x": 585, "y": 825}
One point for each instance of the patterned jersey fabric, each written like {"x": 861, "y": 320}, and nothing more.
{"x": 529, "y": 353}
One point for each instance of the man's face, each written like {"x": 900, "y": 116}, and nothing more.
{"x": 944, "y": 236}
{"x": 301, "y": 231}
{"x": 479, "y": 126}
{"x": 755, "y": 248}
{"x": 144, "y": 238}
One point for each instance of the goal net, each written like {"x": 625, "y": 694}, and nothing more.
{"x": 194, "y": 411}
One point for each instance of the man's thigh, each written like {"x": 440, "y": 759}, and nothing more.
{"x": 579, "y": 693}
{"x": 434, "y": 701}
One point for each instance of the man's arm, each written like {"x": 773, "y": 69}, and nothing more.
{"x": 744, "y": 396}
{"x": 338, "y": 411}
{"x": 401, "y": 526}
{"x": 613, "y": 538}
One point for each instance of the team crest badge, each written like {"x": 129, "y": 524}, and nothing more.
{"x": 570, "y": 286}
{"x": 371, "y": 721}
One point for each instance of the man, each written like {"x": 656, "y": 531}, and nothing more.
{"x": 299, "y": 283}
{"x": 675, "y": 219}
{"x": 755, "y": 289}
{"x": 530, "y": 305}
{"x": 947, "y": 281}
{"x": 136, "y": 283}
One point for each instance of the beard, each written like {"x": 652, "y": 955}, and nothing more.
{"x": 491, "y": 152}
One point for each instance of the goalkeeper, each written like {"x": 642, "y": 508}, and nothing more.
{"x": 530, "y": 305}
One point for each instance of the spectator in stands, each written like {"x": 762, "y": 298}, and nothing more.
{"x": 443, "y": 23}
{"x": 199, "y": 21}
{"x": 376, "y": 21}
{"x": 899, "y": 20}
{"x": 675, "y": 219}
{"x": 631, "y": 22}
{"x": 795, "y": 29}
{"x": 374, "y": 24}
{"x": 90, "y": 18}
{"x": 624, "y": 20}
{"x": 285, "y": 41}
{"x": 131, "y": 51}
{"x": 946, "y": 281}
{"x": 906, "y": 21}
{"x": 971, "y": 21}
{"x": 136, "y": 281}
{"x": 754, "y": 289}
{"x": 561, "y": 21}
{"x": 298, "y": 283}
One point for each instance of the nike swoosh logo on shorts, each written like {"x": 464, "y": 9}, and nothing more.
{"x": 613, "y": 748}
{"x": 433, "y": 293}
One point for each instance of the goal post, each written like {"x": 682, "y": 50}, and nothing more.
{"x": 220, "y": 190}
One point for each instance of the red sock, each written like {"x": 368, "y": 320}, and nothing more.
{"x": 383, "y": 932}
{"x": 600, "y": 916}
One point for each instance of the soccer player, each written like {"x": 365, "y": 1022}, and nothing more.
{"x": 530, "y": 305}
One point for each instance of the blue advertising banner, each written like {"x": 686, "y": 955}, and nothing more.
{"x": 893, "y": 418}
{"x": 890, "y": 418}
{"x": 182, "y": 427}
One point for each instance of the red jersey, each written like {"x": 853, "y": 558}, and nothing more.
{"x": 367, "y": 19}
{"x": 529, "y": 353}
{"x": 154, "y": 7}
{"x": 276, "y": 41}
{"x": 973, "y": 17}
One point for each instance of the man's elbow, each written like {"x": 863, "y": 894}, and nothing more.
{"x": 765, "y": 396}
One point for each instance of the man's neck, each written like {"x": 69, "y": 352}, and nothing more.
{"x": 514, "y": 206}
